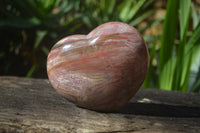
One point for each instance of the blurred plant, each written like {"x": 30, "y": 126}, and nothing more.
{"x": 179, "y": 50}
{"x": 129, "y": 11}
{"x": 29, "y": 28}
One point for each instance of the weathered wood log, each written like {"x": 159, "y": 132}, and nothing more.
{"x": 32, "y": 105}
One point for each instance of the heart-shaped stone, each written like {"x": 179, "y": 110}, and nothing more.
{"x": 102, "y": 70}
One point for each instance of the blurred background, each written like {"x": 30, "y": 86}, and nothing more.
{"x": 171, "y": 29}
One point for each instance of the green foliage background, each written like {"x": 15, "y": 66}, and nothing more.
{"x": 28, "y": 29}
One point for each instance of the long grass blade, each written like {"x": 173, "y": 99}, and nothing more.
{"x": 134, "y": 9}
{"x": 142, "y": 17}
{"x": 124, "y": 9}
{"x": 182, "y": 69}
{"x": 167, "y": 43}
{"x": 193, "y": 50}
{"x": 39, "y": 37}
{"x": 169, "y": 31}
{"x": 195, "y": 16}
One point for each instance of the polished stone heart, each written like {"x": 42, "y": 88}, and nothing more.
{"x": 102, "y": 70}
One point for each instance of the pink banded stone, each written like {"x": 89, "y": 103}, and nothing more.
{"x": 102, "y": 70}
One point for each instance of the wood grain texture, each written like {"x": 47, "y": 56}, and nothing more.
{"x": 32, "y": 105}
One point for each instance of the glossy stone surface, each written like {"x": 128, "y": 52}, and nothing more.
{"x": 102, "y": 70}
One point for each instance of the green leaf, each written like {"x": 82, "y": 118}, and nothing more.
{"x": 129, "y": 10}
{"x": 39, "y": 37}
{"x": 135, "y": 9}
{"x": 195, "y": 16}
{"x": 166, "y": 62}
{"x": 142, "y": 17}
{"x": 182, "y": 69}
{"x": 110, "y": 4}
{"x": 184, "y": 17}
{"x": 87, "y": 21}
{"x": 193, "y": 48}
{"x": 124, "y": 9}
{"x": 169, "y": 31}
{"x": 106, "y": 9}
{"x": 166, "y": 75}
{"x": 31, "y": 71}
{"x": 147, "y": 3}
{"x": 194, "y": 39}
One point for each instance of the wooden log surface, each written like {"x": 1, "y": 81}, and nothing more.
{"x": 32, "y": 105}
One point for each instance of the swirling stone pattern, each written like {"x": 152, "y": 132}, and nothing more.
{"x": 102, "y": 70}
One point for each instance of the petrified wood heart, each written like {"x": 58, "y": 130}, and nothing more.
{"x": 102, "y": 70}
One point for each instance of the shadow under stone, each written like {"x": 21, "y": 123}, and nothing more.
{"x": 163, "y": 110}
